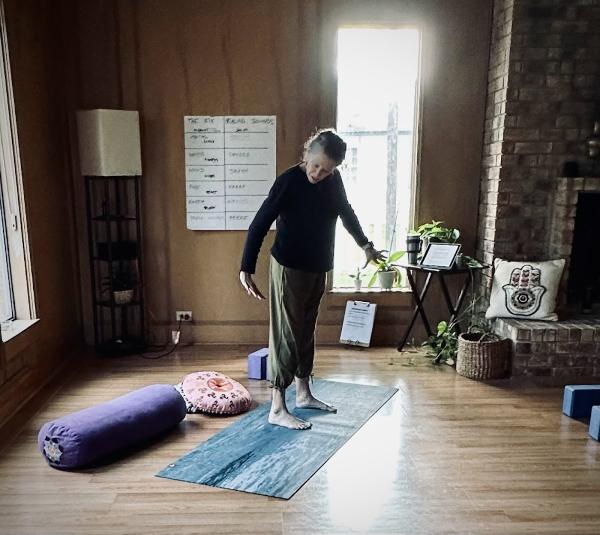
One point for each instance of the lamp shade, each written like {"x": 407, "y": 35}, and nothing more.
{"x": 109, "y": 142}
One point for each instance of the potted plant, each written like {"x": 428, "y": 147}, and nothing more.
{"x": 437, "y": 232}
{"x": 465, "y": 261}
{"x": 357, "y": 278}
{"x": 387, "y": 272}
{"x": 122, "y": 285}
{"x": 478, "y": 353}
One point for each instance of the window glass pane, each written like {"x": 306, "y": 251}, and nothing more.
{"x": 377, "y": 84}
{"x": 6, "y": 297}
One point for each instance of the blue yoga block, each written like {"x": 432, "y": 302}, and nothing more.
{"x": 595, "y": 423}
{"x": 257, "y": 364}
{"x": 578, "y": 400}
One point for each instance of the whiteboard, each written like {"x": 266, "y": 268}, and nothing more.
{"x": 229, "y": 169}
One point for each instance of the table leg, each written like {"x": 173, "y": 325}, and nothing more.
{"x": 454, "y": 309}
{"x": 419, "y": 310}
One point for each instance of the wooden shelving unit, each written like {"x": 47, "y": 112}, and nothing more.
{"x": 115, "y": 254}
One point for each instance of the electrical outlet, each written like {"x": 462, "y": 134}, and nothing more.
{"x": 183, "y": 315}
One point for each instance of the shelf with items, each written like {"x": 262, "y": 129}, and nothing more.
{"x": 117, "y": 251}
{"x": 114, "y": 236}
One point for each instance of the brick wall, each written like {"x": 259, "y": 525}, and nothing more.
{"x": 561, "y": 352}
{"x": 543, "y": 97}
{"x": 495, "y": 117}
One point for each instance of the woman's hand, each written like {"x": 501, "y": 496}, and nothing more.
{"x": 373, "y": 255}
{"x": 249, "y": 286}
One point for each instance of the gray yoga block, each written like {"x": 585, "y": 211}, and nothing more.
{"x": 578, "y": 400}
{"x": 595, "y": 423}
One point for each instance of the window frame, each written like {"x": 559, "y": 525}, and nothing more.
{"x": 417, "y": 132}
{"x": 11, "y": 179}
{"x": 5, "y": 260}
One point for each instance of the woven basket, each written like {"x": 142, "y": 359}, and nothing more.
{"x": 482, "y": 360}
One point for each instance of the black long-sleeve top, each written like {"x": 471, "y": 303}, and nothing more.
{"x": 306, "y": 216}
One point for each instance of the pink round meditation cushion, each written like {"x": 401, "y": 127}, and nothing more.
{"x": 214, "y": 393}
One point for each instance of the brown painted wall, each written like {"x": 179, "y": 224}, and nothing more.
{"x": 36, "y": 57}
{"x": 184, "y": 57}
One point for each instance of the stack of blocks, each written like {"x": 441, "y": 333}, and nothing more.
{"x": 583, "y": 401}
{"x": 257, "y": 364}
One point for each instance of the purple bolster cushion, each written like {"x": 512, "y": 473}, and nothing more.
{"x": 86, "y": 436}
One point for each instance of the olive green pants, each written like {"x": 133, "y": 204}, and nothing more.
{"x": 294, "y": 298}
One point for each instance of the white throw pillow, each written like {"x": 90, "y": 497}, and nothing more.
{"x": 525, "y": 290}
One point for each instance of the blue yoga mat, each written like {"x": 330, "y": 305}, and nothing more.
{"x": 253, "y": 456}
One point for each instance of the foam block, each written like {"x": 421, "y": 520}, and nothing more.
{"x": 87, "y": 436}
{"x": 578, "y": 400}
{"x": 595, "y": 423}
{"x": 257, "y": 364}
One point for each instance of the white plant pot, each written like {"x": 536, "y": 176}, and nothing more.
{"x": 123, "y": 297}
{"x": 386, "y": 279}
{"x": 357, "y": 284}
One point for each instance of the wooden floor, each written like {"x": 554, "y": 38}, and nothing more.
{"x": 445, "y": 455}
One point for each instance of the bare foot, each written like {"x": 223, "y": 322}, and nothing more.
{"x": 285, "y": 419}
{"x": 305, "y": 399}
{"x": 311, "y": 402}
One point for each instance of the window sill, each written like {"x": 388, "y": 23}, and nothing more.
{"x": 11, "y": 329}
{"x": 394, "y": 298}
{"x": 367, "y": 291}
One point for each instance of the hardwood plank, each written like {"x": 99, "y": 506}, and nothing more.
{"x": 445, "y": 455}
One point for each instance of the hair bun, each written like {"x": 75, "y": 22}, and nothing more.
{"x": 329, "y": 142}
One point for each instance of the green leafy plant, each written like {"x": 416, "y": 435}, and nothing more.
{"x": 484, "y": 329}
{"x": 388, "y": 265}
{"x": 443, "y": 345}
{"x": 466, "y": 261}
{"x": 437, "y": 232}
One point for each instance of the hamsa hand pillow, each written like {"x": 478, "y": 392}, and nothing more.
{"x": 525, "y": 290}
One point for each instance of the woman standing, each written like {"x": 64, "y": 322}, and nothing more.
{"x": 306, "y": 200}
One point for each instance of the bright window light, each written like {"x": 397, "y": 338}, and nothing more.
{"x": 378, "y": 72}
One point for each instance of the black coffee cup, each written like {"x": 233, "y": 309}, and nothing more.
{"x": 413, "y": 246}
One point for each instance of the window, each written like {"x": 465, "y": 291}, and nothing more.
{"x": 17, "y": 308}
{"x": 378, "y": 80}
{"x": 6, "y": 294}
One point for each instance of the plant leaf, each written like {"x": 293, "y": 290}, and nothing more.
{"x": 396, "y": 255}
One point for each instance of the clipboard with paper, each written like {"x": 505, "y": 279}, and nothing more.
{"x": 358, "y": 323}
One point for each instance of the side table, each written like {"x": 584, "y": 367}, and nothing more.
{"x": 419, "y": 295}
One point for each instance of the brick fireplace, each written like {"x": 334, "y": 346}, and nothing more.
{"x": 543, "y": 98}
{"x": 563, "y": 350}
{"x": 568, "y": 349}
{"x": 569, "y": 194}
